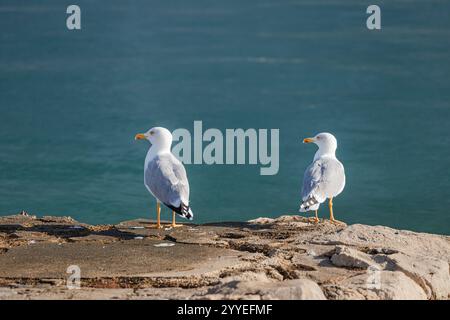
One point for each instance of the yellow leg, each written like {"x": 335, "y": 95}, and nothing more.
{"x": 174, "y": 225}
{"x": 316, "y": 219}
{"x": 330, "y": 204}
{"x": 332, "y": 219}
{"x": 158, "y": 215}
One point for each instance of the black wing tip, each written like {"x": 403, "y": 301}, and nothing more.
{"x": 186, "y": 212}
{"x": 183, "y": 211}
{"x": 309, "y": 202}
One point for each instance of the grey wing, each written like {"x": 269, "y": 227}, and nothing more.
{"x": 311, "y": 180}
{"x": 166, "y": 178}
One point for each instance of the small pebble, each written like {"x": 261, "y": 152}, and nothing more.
{"x": 164, "y": 244}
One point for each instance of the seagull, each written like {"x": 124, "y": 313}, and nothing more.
{"x": 165, "y": 176}
{"x": 324, "y": 178}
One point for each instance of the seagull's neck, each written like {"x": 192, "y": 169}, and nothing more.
{"x": 156, "y": 150}
{"x": 325, "y": 152}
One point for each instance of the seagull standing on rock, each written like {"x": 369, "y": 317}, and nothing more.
{"x": 324, "y": 178}
{"x": 165, "y": 176}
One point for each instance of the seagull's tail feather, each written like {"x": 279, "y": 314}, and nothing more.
{"x": 308, "y": 204}
{"x": 190, "y": 214}
{"x": 183, "y": 211}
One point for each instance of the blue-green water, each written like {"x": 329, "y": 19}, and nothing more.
{"x": 71, "y": 102}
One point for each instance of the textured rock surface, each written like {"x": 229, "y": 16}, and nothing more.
{"x": 298, "y": 289}
{"x": 351, "y": 258}
{"x": 430, "y": 273}
{"x": 285, "y": 258}
{"x": 391, "y": 286}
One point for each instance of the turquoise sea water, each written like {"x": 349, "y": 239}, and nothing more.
{"x": 71, "y": 102}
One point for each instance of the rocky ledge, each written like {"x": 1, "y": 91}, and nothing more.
{"x": 289, "y": 257}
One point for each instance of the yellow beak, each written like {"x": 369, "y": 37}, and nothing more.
{"x": 309, "y": 140}
{"x": 139, "y": 136}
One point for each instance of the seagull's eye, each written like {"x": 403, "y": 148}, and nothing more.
{"x": 152, "y": 132}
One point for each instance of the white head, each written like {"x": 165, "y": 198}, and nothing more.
{"x": 326, "y": 142}
{"x": 160, "y": 138}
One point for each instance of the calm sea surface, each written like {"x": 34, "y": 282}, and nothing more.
{"x": 71, "y": 102}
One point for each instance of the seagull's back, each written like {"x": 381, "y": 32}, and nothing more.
{"x": 165, "y": 177}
